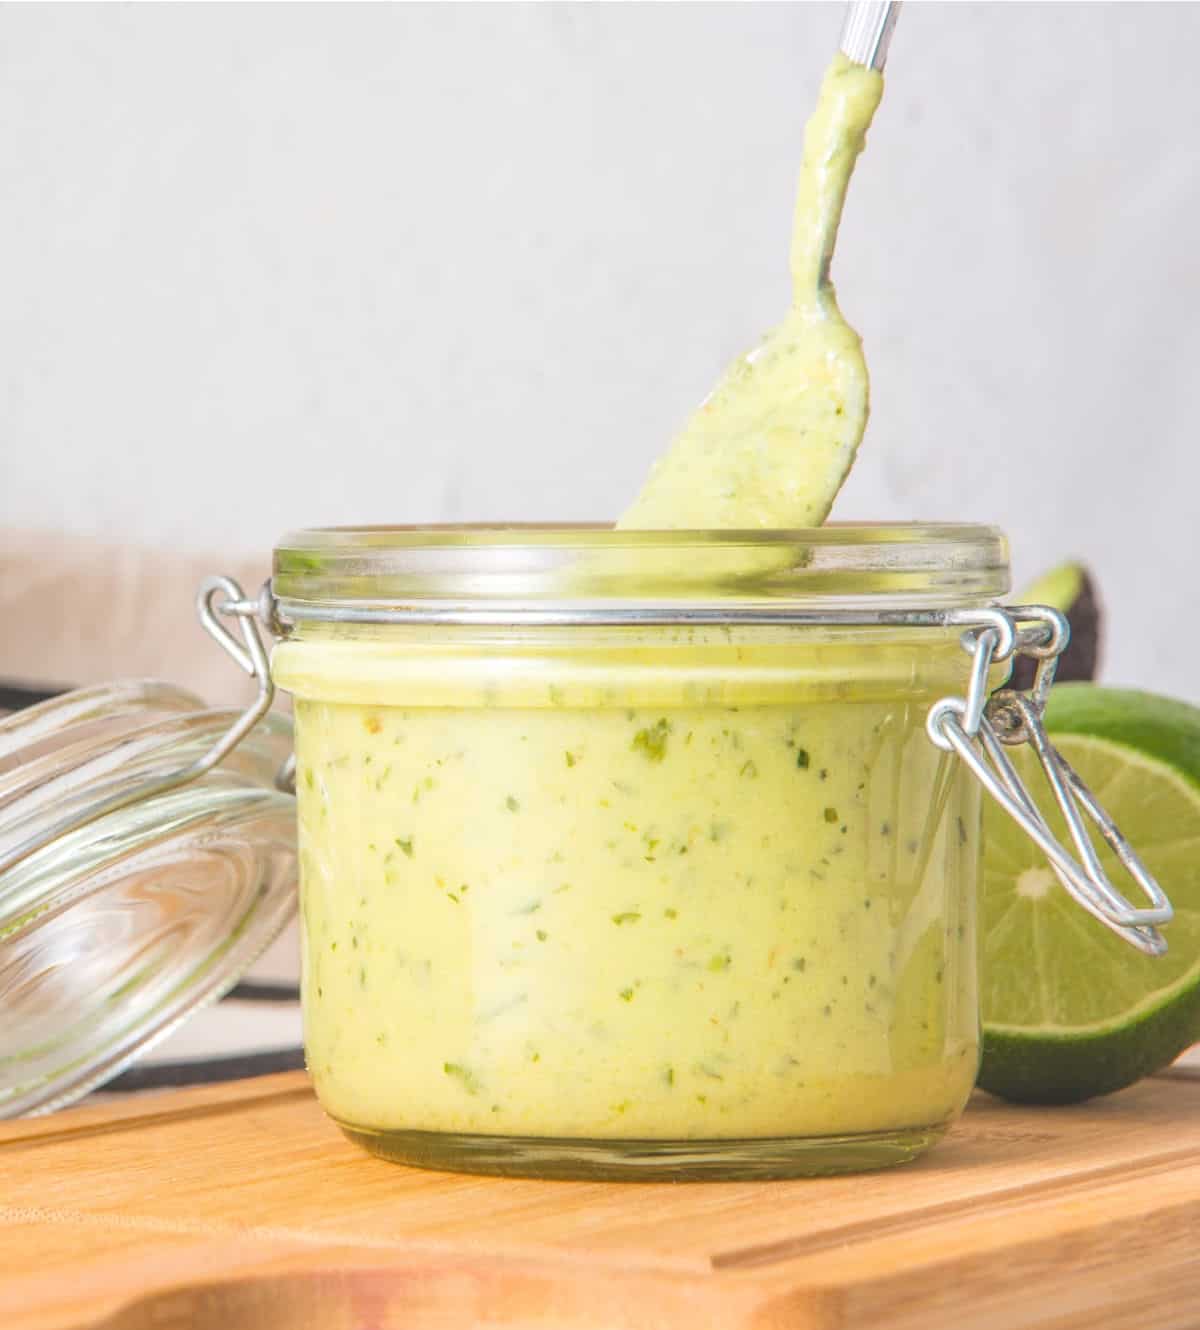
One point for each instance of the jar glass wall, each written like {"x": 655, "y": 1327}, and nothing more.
{"x": 629, "y": 855}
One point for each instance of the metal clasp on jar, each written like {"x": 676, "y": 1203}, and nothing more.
{"x": 250, "y": 654}
{"x": 979, "y": 727}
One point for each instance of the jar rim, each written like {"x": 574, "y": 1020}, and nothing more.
{"x": 403, "y": 535}
{"x": 579, "y": 572}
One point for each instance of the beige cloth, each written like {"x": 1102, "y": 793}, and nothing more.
{"x": 78, "y": 611}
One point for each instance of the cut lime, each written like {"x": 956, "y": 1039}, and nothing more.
{"x": 1069, "y": 1009}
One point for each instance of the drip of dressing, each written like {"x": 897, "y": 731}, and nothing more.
{"x": 772, "y": 443}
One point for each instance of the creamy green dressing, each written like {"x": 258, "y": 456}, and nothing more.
{"x": 773, "y": 442}
{"x": 671, "y": 888}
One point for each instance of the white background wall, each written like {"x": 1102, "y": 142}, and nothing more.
{"x": 263, "y": 266}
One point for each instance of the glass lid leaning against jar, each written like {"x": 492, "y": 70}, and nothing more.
{"x": 653, "y": 854}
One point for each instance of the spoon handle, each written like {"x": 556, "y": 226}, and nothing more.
{"x": 867, "y": 32}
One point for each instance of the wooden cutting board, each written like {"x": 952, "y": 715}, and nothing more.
{"x": 241, "y": 1207}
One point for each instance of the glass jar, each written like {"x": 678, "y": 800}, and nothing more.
{"x": 628, "y": 854}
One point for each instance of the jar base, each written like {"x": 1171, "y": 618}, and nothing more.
{"x": 596, "y": 1159}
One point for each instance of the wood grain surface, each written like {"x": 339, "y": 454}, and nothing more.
{"x": 242, "y": 1206}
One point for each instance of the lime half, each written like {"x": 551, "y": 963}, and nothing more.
{"x": 1069, "y": 1009}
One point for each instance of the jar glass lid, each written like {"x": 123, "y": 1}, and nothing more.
{"x": 507, "y": 573}
{"x": 144, "y": 895}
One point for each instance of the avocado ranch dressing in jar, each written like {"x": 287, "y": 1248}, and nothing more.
{"x": 658, "y": 862}
{"x": 652, "y": 854}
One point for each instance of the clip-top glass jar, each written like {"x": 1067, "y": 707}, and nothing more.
{"x": 628, "y": 854}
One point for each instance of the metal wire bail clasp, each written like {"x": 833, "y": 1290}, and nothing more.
{"x": 222, "y": 596}
{"x": 978, "y": 729}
